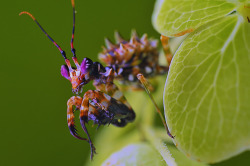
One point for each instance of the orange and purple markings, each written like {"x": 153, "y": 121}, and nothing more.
{"x": 137, "y": 55}
{"x": 124, "y": 61}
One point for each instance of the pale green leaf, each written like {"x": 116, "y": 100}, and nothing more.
{"x": 207, "y": 93}
{"x": 177, "y": 17}
{"x": 112, "y": 139}
{"x": 134, "y": 155}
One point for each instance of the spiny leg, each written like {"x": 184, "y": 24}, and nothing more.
{"x": 165, "y": 45}
{"x": 145, "y": 84}
{"x": 73, "y": 101}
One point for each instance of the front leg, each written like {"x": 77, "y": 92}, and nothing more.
{"x": 73, "y": 101}
{"x": 78, "y": 102}
{"x": 84, "y": 110}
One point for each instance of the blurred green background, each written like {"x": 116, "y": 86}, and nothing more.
{"x": 33, "y": 93}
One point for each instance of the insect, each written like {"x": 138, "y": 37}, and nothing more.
{"x": 106, "y": 104}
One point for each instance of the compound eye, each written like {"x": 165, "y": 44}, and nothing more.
{"x": 86, "y": 65}
{"x": 65, "y": 71}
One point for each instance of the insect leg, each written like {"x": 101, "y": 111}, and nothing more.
{"x": 145, "y": 84}
{"x": 106, "y": 103}
{"x": 92, "y": 147}
{"x": 162, "y": 69}
{"x": 84, "y": 109}
{"x": 73, "y": 101}
{"x": 165, "y": 45}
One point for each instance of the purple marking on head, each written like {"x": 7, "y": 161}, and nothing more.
{"x": 65, "y": 71}
{"x": 85, "y": 65}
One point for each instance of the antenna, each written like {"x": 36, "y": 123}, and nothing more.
{"x": 73, "y": 30}
{"x": 59, "y": 48}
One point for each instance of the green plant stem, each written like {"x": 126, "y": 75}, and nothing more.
{"x": 151, "y": 136}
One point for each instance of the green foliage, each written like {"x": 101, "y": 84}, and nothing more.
{"x": 207, "y": 90}
{"x": 172, "y": 17}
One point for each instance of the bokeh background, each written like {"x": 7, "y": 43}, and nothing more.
{"x": 33, "y": 94}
